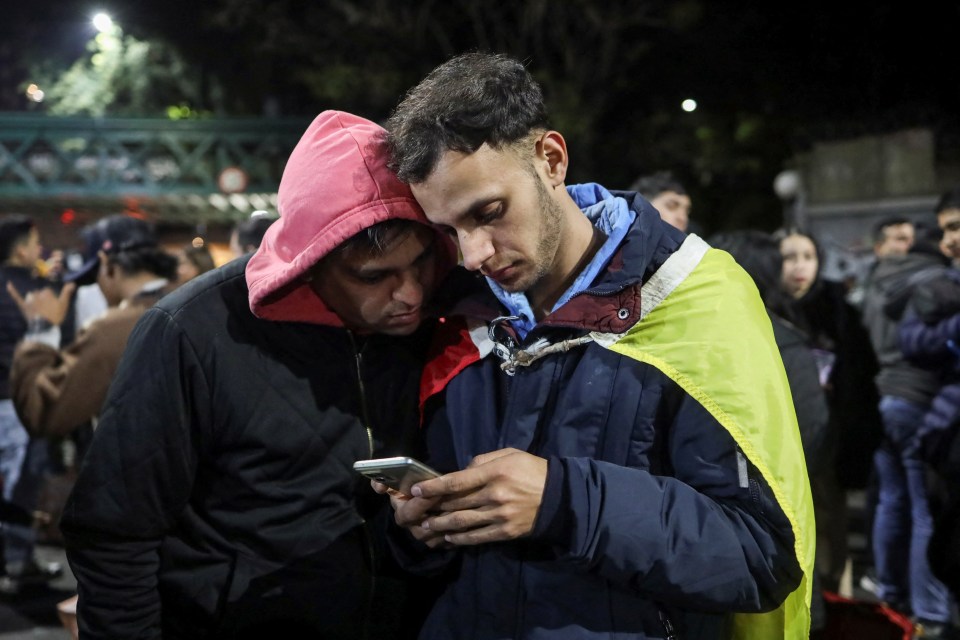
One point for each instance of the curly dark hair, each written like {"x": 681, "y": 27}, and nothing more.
{"x": 131, "y": 244}
{"x": 471, "y": 99}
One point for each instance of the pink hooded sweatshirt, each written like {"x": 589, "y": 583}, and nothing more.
{"x": 335, "y": 184}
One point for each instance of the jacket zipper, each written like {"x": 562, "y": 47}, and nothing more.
{"x": 667, "y": 626}
{"x": 358, "y": 358}
{"x": 371, "y": 554}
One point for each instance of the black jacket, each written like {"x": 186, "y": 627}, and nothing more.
{"x": 809, "y": 399}
{"x": 834, "y": 325}
{"x": 886, "y": 296}
{"x": 218, "y": 496}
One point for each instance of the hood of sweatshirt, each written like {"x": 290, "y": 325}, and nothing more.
{"x": 335, "y": 184}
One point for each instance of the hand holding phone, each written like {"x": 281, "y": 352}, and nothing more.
{"x": 398, "y": 473}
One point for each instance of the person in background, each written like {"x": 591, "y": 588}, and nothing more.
{"x": 57, "y": 391}
{"x": 89, "y": 302}
{"x": 928, "y": 336}
{"x": 596, "y": 476}
{"x": 667, "y": 196}
{"x": 247, "y": 235}
{"x": 192, "y": 260}
{"x": 906, "y": 392}
{"x": 892, "y": 236}
{"x": 218, "y": 498}
{"x": 54, "y": 390}
{"x": 848, "y": 366}
{"x": 23, "y": 461}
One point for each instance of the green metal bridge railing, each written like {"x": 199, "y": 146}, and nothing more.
{"x": 206, "y": 170}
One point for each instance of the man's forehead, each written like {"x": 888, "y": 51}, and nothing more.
{"x": 948, "y": 217}
{"x": 900, "y": 228}
{"x": 672, "y": 196}
{"x": 460, "y": 182}
{"x": 399, "y": 251}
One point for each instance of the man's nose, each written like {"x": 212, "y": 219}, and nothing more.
{"x": 410, "y": 291}
{"x": 476, "y": 249}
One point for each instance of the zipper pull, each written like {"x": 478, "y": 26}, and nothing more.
{"x": 667, "y": 626}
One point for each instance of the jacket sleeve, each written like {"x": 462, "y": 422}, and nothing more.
{"x": 929, "y": 345}
{"x": 54, "y": 391}
{"x": 135, "y": 481}
{"x": 707, "y": 534}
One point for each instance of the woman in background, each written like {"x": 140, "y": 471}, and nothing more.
{"x": 192, "y": 261}
{"x": 847, "y": 367}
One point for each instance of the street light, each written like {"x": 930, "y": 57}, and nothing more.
{"x": 102, "y": 22}
{"x": 788, "y": 185}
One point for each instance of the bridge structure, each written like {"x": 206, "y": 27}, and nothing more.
{"x": 68, "y": 171}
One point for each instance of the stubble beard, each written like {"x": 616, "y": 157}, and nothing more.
{"x": 549, "y": 241}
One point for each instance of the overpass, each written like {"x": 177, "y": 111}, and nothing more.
{"x": 68, "y": 171}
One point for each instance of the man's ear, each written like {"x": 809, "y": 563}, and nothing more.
{"x": 552, "y": 149}
{"x": 105, "y": 261}
{"x": 20, "y": 252}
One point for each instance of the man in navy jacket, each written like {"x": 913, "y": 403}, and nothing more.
{"x": 621, "y": 453}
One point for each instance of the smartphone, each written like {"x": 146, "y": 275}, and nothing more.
{"x": 398, "y": 473}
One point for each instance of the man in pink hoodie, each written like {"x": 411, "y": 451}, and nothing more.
{"x": 217, "y": 499}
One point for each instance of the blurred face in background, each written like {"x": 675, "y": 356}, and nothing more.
{"x": 800, "y": 264}
{"x": 674, "y": 208}
{"x": 897, "y": 240}
{"x": 27, "y": 253}
{"x": 949, "y": 221}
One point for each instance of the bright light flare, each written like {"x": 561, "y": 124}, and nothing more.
{"x": 35, "y": 93}
{"x": 689, "y": 105}
{"x": 102, "y": 22}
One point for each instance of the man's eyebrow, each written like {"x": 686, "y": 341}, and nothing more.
{"x": 475, "y": 207}
{"x": 372, "y": 271}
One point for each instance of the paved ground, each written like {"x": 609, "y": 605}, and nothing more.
{"x": 33, "y": 615}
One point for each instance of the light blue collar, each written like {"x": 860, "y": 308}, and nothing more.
{"x": 612, "y": 215}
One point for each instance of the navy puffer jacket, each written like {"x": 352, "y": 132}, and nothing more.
{"x": 652, "y": 525}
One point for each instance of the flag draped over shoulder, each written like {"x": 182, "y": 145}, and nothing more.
{"x": 704, "y": 325}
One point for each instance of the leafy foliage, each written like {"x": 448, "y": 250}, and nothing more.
{"x": 123, "y": 76}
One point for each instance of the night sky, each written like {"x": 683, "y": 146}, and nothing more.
{"x": 814, "y": 71}
{"x": 822, "y": 59}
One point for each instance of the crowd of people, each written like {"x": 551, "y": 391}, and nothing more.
{"x": 639, "y": 432}
{"x": 63, "y": 333}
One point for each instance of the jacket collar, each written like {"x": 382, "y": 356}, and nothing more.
{"x": 611, "y": 304}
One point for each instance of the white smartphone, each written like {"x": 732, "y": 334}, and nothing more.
{"x": 398, "y": 473}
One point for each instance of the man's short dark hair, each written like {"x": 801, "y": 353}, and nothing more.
{"x": 949, "y": 200}
{"x": 652, "y": 185}
{"x": 879, "y": 229}
{"x": 14, "y": 229}
{"x": 377, "y": 239}
{"x": 471, "y": 99}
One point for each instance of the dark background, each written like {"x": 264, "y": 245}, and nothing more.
{"x": 770, "y": 79}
